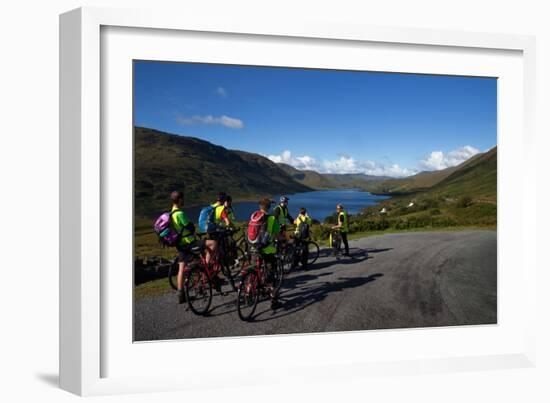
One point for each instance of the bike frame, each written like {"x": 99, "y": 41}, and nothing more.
{"x": 216, "y": 258}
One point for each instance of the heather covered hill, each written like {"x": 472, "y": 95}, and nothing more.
{"x": 164, "y": 162}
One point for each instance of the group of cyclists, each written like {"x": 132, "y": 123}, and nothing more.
{"x": 223, "y": 217}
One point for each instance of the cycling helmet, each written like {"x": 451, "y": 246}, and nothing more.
{"x": 284, "y": 199}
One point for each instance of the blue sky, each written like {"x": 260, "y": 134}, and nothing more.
{"x": 326, "y": 120}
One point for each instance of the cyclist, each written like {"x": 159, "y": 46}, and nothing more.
{"x": 301, "y": 236}
{"x": 230, "y": 245}
{"x": 343, "y": 226}
{"x": 281, "y": 214}
{"x": 268, "y": 252}
{"x": 182, "y": 225}
{"x": 221, "y": 219}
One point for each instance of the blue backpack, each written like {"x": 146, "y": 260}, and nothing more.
{"x": 206, "y": 219}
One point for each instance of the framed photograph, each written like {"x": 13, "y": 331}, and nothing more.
{"x": 243, "y": 189}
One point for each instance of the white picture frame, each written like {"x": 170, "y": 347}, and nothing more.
{"x": 86, "y": 307}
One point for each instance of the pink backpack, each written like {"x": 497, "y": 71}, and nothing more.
{"x": 163, "y": 228}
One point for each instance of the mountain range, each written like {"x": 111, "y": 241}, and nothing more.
{"x": 165, "y": 162}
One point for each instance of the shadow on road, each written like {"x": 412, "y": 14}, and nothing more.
{"x": 289, "y": 284}
{"x": 293, "y": 300}
{"x": 327, "y": 252}
{"x": 354, "y": 258}
{"x": 296, "y": 295}
{"x": 357, "y": 255}
{"x": 375, "y": 250}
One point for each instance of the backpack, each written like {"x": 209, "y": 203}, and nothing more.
{"x": 206, "y": 219}
{"x": 257, "y": 234}
{"x": 303, "y": 229}
{"x": 163, "y": 228}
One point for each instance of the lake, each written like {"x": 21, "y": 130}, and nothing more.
{"x": 319, "y": 204}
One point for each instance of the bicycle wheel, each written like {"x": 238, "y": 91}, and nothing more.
{"x": 338, "y": 247}
{"x": 198, "y": 291}
{"x": 313, "y": 252}
{"x": 278, "y": 275}
{"x": 248, "y": 295}
{"x": 173, "y": 274}
{"x": 237, "y": 261}
{"x": 334, "y": 242}
{"x": 287, "y": 258}
{"x": 230, "y": 276}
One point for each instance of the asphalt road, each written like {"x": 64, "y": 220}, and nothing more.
{"x": 391, "y": 281}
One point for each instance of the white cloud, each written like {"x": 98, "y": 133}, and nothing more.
{"x": 222, "y": 92}
{"x": 223, "y": 120}
{"x": 302, "y": 162}
{"x": 439, "y": 160}
{"x": 231, "y": 122}
{"x": 347, "y": 164}
{"x": 343, "y": 165}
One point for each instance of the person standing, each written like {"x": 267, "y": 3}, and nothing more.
{"x": 281, "y": 214}
{"x": 220, "y": 219}
{"x": 343, "y": 226}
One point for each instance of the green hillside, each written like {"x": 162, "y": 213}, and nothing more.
{"x": 164, "y": 162}
{"x": 419, "y": 182}
{"x": 476, "y": 178}
{"x": 465, "y": 197}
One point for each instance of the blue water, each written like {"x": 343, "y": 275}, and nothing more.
{"x": 319, "y": 204}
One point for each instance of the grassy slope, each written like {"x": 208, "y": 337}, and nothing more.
{"x": 465, "y": 197}
{"x": 476, "y": 178}
{"x": 419, "y": 182}
{"x": 165, "y": 162}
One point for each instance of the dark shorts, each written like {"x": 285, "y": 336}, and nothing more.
{"x": 185, "y": 253}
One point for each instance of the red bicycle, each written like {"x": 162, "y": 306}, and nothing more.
{"x": 202, "y": 276}
{"x": 258, "y": 279}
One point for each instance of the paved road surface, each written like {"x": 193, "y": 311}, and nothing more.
{"x": 391, "y": 281}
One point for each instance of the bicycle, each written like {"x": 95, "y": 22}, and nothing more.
{"x": 241, "y": 241}
{"x": 234, "y": 252}
{"x": 335, "y": 241}
{"x": 293, "y": 252}
{"x": 173, "y": 270}
{"x": 229, "y": 253}
{"x": 258, "y": 279}
{"x": 196, "y": 282}
{"x": 201, "y": 276}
